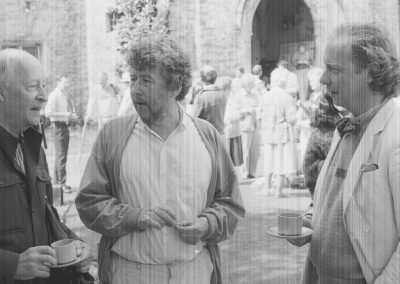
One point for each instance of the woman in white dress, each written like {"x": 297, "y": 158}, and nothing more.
{"x": 278, "y": 115}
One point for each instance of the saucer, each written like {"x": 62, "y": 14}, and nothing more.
{"x": 84, "y": 254}
{"x": 304, "y": 233}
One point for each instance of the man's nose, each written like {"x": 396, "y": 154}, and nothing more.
{"x": 324, "y": 79}
{"x": 42, "y": 95}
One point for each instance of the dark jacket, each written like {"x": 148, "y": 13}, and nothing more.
{"x": 210, "y": 105}
{"x": 22, "y": 202}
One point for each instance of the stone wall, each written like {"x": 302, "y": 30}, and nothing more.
{"x": 60, "y": 30}
{"x": 101, "y": 44}
{"x": 219, "y": 32}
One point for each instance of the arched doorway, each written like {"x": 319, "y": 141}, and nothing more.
{"x": 279, "y": 28}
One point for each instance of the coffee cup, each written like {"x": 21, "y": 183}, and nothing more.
{"x": 290, "y": 223}
{"x": 65, "y": 250}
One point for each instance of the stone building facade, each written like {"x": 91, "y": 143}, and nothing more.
{"x": 221, "y": 33}
{"x": 55, "y": 32}
{"x": 73, "y": 37}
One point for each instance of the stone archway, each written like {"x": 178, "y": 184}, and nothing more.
{"x": 245, "y": 12}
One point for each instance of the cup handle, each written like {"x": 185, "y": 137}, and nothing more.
{"x": 78, "y": 247}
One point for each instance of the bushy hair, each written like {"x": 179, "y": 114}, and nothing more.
{"x": 372, "y": 49}
{"x": 163, "y": 52}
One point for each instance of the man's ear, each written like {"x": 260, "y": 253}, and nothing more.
{"x": 178, "y": 88}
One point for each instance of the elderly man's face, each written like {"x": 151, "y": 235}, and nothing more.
{"x": 149, "y": 93}
{"x": 24, "y": 93}
{"x": 346, "y": 84}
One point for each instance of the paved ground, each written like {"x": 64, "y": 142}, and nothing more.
{"x": 251, "y": 256}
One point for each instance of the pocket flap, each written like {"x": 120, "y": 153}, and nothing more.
{"x": 42, "y": 175}
{"x": 9, "y": 180}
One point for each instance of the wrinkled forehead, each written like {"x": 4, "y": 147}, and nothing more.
{"x": 25, "y": 69}
{"x": 153, "y": 71}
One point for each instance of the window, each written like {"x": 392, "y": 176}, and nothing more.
{"x": 112, "y": 19}
{"x": 32, "y": 48}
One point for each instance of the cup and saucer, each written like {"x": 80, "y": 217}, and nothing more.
{"x": 70, "y": 252}
{"x": 290, "y": 227}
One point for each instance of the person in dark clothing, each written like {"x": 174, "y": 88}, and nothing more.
{"x": 210, "y": 104}
{"x": 25, "y": 186}
{"x": 323, "y": 124}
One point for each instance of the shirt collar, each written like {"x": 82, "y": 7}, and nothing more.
{"x": 182, "y": 124}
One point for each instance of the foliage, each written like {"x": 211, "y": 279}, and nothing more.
{"x": 135, "y": 19}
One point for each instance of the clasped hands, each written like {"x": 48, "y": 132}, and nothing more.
{"x": 156, "y": 218}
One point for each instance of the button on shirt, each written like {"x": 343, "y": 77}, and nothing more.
{"x": 173, "y": 174}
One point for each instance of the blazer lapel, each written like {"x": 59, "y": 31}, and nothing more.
{"x": 364, "y": 149}
{"x": 325, "y": 166}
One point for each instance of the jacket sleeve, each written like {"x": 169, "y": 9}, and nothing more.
{"x": 391, "y": 273}
{"x": 8, "y": 265}
{"x": 226, "y": 207}
{"x": 198, "y": 106}
{"x": 97, "y": 206}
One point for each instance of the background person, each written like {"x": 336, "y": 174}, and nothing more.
{"x": 126, "y": 106}
{"x": 103, "y": 104}
{"x": 278, "y": 115}
{"x": 210, "y": 103}
{"x": 59, "y": 109}
{"x": 248, "y": 100}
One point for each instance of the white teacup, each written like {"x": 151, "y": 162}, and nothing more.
{"x": 65, "y": 250}
{"x": 290, "y": 223}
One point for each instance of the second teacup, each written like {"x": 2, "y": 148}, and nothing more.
{"x": 290, "y": 223}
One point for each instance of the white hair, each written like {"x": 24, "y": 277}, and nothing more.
{"x": 279, "y": 77}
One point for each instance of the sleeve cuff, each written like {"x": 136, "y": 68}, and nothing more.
{"x": 8, "y": 265}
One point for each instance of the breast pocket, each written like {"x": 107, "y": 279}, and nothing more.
{"x": 43, "y": 183}
{"x": 12, "y": 203}
{"x": 374, "y": 219}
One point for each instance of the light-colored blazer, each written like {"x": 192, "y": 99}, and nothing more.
{"x": 371, "y": 198}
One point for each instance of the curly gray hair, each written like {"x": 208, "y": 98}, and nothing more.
{"x": 372, "y": 49}
{"x": 160, "y": 50}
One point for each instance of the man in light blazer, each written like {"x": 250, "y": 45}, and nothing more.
{"x": 356, "y": 218}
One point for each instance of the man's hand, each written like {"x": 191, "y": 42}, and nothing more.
{"x": 191, "y": 233}
{"x": 299, "y": 242}
{"x": 35, "y": 262}
{"x": 155, "y": 218}
{"x": 84, "y": 265}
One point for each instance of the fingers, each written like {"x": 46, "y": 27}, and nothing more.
{"x": 47, "y": 259}
{"x": 307, "y": 223}
{"x": 45, "y": 250}
{"x": 42, "y": 274}
{"x": 184, "y": 228}
{"x": 168, "y": 216}
{"x": 83, "y": 266}
{"x": 156, "y": 224}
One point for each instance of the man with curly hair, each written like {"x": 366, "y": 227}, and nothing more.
{"x": 356, "y": 218}
{"x": 159, "y": 186}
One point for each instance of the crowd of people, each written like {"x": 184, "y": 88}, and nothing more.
{"x": 263, "y": 118}
{"x": 160, "y": 185}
